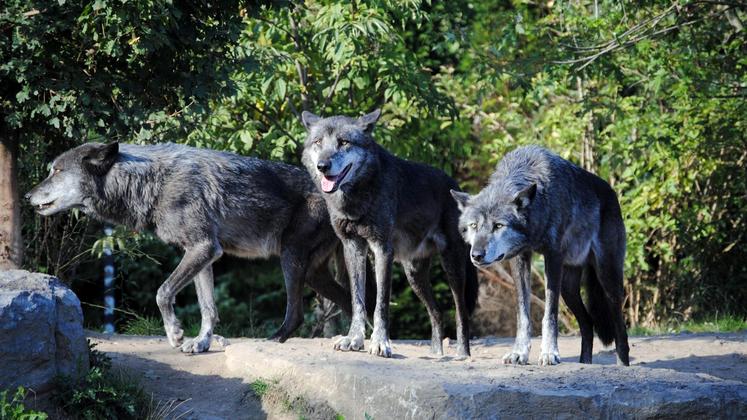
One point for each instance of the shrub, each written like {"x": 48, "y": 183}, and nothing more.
{"x": 14, "y": 409}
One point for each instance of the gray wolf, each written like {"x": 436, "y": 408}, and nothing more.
{"x": 207, "y": 203}
{"x": 402, "y": 211}
{"x": 538, "y": 202}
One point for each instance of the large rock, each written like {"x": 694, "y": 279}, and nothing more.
{"x": 671, "y": 377}
{"x": 41, "y": 331}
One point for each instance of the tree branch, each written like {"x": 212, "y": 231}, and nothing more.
{"x": 343, "y": 70}
{"x": 302, "y": 74}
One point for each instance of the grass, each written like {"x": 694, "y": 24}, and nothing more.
{"x": 109, "y": 392}
{"x": 144, "y": 326}
{"x": 271, "y": 393}
{"x": 724, "y": 323}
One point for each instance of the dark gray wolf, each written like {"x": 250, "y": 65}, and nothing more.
{"x": 207, "y": 203}
{"x": 402, "y": 211}
{"x": 538, "y": 202}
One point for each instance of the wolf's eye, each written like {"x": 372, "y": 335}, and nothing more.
{"x": 56, "y": 171}
{"x": 344, "y": 142}
{"x": 318, "y": 142}
{"x": 473, "y": 225}
{"x": 497, "y": 226}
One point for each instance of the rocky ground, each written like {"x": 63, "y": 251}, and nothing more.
{"x": 688, "y": 375}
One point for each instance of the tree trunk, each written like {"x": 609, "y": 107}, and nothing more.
{"x": 11, "y": 243}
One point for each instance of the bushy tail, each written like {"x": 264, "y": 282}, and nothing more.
{"x": 599, "y": 308}
{"x": 471, "y": 287}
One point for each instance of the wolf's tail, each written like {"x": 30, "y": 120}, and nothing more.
{"x": 471, "y": 287}
{"x": 599, "y": 308}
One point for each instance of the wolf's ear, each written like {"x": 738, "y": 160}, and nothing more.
{"x": 100, "y": 159}
{"x": 461, "y": 198}
{"x": 309, "y": 119}
{"x": 523, "y": 198}
{"x": 368, "y": 121}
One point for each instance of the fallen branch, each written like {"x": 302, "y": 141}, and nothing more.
{"x": 503, "y": 278}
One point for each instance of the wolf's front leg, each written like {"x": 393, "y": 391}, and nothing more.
{"x": 549, "y": 354}
{"x": 383, "y": 258}
{"x": 355, "y": 259}
{"x": 521, "y": 272}
{"x": 196, "y": 258}
{"x": 208, "y": 312}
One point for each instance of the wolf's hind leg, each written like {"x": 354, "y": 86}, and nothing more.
{"x": 570, "y": 289}
{"x": 521, "y": 272}
{"x": 208, "y": 312}
{"x": 293, "y": 272}
{"x": 195, "y": 259}
{"x": 610, "y": 274}
{"x": 453, "y": 261}
{"x": 417, "y": 274}
{"x": 549, "y": 354}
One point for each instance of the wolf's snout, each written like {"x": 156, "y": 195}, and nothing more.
{"x": 478, "y": 256}
{"x": 323, "y": 166}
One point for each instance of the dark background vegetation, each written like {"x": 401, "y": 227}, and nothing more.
{"x": 648, "y": 94}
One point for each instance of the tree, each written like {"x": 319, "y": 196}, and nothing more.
{"x": 76, "y": 71}
{"x": 11, "y": 246}
{"x": 330, "y": 58}
{"x": 652, "y": 98}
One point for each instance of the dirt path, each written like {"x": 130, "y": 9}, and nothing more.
{"x": 710, "y": 366}
{"x": 201, "y": 382}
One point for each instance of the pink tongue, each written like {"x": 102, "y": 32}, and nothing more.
{"x": 328, "y": 184}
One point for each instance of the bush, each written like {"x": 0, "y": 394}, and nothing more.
{"x": 14, "y": 409}
{"x": 103, "y": 393}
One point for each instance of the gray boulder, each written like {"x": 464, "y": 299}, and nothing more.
{"x": 41, "y": 331}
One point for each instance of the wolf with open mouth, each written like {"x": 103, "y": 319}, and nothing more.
{"x": 400, "y": 210}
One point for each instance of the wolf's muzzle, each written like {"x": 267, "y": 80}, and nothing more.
{"x": 323, "y": 166}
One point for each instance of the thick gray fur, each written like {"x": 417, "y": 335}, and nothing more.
{"x": 207, "y": 203}
{"x": 538, "y": 202}
{"x": 401, "y": 211}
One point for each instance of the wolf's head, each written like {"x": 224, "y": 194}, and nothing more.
{"x": 495, "y": 228}
{"x": 72, "y": 178}
{"x": 337, "y": 148}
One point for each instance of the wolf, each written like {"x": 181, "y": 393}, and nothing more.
{"x": 402, "y": 211}
{"x": 537, "y": 201}
{"x": 207, "y": 203}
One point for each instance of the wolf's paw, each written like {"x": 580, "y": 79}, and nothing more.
{"x": 380, "y": 345}
{"x": 437, "y": 349}
{"x": 196, "y": 345}
{"x": 516, "y": 358}
{"x": 279, "y": 336}
{"x": 347, "y": 343}
{"x": 462, "y": 353}
{"x": 175, "y": 336}
{"x": 552, "y": 358}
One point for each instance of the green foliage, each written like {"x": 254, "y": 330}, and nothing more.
{"x": 648, "y": 95}
{"x": 328, "y": 57}
{"x": 77, "y": 71}
{"x": 13, "y": 408}
{"x": 259, "y": 387}
{"x": 144, "y": 326}
{"x": 651, "y": 98}
{"x": 98, "y": 359}
{"x": 715, "y": 324}
{"x": 103, "y": 392}
{"x": 272, "y": 393}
